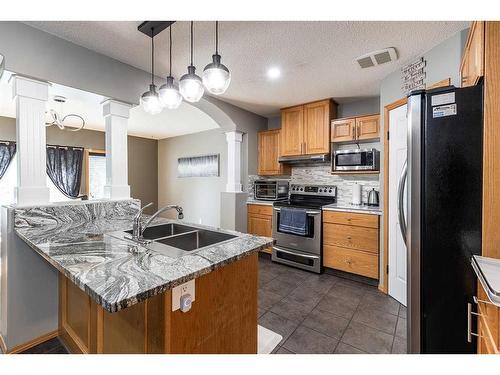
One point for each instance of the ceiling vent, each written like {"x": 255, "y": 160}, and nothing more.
{"x": 377, "y": 58}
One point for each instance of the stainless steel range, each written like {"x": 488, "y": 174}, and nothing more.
{"x": 301, "y": 247}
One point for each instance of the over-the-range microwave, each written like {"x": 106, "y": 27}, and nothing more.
{"x": 356, "y": 160}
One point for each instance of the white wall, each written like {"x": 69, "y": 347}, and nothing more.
{"x": 199, "y": 196}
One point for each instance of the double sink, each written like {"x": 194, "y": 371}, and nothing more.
{"x": 175, "y": 240}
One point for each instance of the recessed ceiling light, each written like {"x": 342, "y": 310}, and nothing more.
{"x": 273, "y": 73}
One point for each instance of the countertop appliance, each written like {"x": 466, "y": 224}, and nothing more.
{"x": 356, "y": 160}
{"x": 444, "y": 161}
{"x": 373, "y": 198}
{"x": 302, "y": 251}
{"x": 271, "y": 190}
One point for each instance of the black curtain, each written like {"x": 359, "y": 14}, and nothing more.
{"x": 7, "y": 152}
{"x": 64, "y": 167}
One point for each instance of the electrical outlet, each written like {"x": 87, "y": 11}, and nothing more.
{"x": 181, "y": 290}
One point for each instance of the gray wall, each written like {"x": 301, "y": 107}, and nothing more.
{"x": 359, "y": 107}
{"x": 442, "y": 61}
{"x": 199, "y": 196}
{"x": 142, "y": 156}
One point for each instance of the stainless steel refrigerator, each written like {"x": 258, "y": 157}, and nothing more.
{"x": 443, "y": 224}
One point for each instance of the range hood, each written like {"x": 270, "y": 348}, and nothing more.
{"x": 305, "y": 159}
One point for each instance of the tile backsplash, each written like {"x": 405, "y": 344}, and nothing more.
{"x": 321, "y": 175}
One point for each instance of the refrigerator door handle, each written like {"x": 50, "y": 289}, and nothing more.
{"x": 401, "y": 213}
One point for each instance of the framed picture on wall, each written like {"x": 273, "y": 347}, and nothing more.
{"x": 199, "y": 166}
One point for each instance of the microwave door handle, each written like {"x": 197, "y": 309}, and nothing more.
{"x": 401, "y": 214}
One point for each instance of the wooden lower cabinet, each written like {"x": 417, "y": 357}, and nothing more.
{"x": 260, "y": 221}
{"x": 488, "y": 324}
{"x": 351, "y": 243}
{"x": 222, "y": 320}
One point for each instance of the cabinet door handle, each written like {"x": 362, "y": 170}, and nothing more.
{"x": 469, "y": 322}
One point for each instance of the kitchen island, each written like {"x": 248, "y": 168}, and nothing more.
{"x": 115, "y": 296}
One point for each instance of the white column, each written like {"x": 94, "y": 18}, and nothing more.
{"x": 31, "y": 96}
{"x": 116, "y": 116}
{"x": 234, "y": 139}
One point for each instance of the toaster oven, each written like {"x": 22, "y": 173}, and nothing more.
{"x": 271, "y": 190}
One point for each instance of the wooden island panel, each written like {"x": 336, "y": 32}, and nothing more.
{"x": 223, "y": 318}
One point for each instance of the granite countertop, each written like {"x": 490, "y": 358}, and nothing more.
{"x": 118, "y": 273}
{"x": 488, "y": 273}
{"x": 355, "y": 209}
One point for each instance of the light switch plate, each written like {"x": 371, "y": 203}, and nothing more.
{"x": 178, "y": 291}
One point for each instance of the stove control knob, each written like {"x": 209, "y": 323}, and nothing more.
{"x": 301, "y": 189}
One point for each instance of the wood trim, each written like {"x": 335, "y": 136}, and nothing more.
{"x": 442, "y": 83}
{"x": 28, "y": 345}
{"x": 313, "y": 102}
{"x": 354, "y": 117}
{"x": 384, "y": 286}
{"x": 3, "y": 346}
{"x": 491, "y": 143}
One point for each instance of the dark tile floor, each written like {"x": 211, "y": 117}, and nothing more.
{"x": 317, "y": 314}
{"x": 327, "y": 314}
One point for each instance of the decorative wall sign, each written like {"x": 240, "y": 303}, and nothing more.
{"x": 198, "y": 166}
{"x": 413, "y": 76}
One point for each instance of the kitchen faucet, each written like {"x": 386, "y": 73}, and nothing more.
{"x": 138, "y": 229}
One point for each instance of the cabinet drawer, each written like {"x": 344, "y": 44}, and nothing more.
{"x": 352, "y": 261}
{"x": 349, "y": 218}
{"x": 359, "y": 238}
{"x": 260, "y": 209}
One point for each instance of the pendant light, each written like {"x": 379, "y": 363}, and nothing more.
{"x": 170, "y": 96}
{"x": 216, "y": 76}
{"x": 150, "y": 100}
{"x": 190, "y": 85}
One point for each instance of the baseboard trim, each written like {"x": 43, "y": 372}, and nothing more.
{"x": 28, "y": 345}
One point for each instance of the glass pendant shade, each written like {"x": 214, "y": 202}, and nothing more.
{"x": 150, "y": 101}
{"x": 191, "y": 86}
{"x": 216, "y": 76}
{"x": 170, "y": 97}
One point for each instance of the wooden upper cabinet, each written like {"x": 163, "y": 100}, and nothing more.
{"x": 472, "y": 67}
{"x": 354, "y": 129}
{"x": 305, "y": 129}
{"x": 269, "y": 150}
{"x": 367, "y": 127}
{"x": 343, "y": 130}
{"x": 292, "y": 131}
{"x": 317, "y": 127}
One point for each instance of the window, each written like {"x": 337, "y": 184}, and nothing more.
{"x": 96, "y": 174}
{"x": 96, "y": 179}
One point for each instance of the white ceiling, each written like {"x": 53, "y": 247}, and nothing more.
{"x": 316, "y": 58}
{"x": 185, "y": 120}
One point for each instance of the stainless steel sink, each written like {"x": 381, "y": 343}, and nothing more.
{"x": 196, "y": 240}
{"x": 164, "y": 230}
{"x": 175, "y": 240}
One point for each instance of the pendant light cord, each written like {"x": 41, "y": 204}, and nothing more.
{"x": 216, "y": 37}
{"x": 170, "y": 59}
{"x": 192, "y": 23}
{"x": 152, "y": 56}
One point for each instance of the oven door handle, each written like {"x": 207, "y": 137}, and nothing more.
{"x": 292, "y": 253}
{"x": 307, "y": 212}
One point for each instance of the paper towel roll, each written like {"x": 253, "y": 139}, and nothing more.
{"x": 356, "y": 193}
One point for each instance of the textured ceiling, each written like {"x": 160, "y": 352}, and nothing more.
{"x": 316, "y": 58}
{"x": 185, "y": 120}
